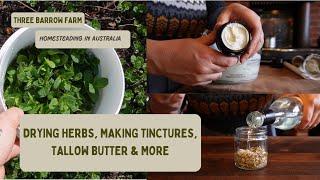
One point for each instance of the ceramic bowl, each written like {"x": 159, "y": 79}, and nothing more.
{"x": 110, "y": 66}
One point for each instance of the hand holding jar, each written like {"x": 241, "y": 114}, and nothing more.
{"x": 238, "y": 12}
{"x": 187, "y": 61}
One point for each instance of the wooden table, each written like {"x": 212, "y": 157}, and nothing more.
{"x": 270, "y": 81}
{"x": 289, "y": 157}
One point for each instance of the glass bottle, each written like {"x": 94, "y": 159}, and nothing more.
{"x": 284, "y": 113}
{"x": 250, "y": 148}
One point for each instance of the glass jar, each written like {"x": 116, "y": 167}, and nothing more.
{"x": 311, "y": 66}
{"x": 250, "y": 145}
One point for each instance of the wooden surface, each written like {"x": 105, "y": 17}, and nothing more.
{"x": 270, "y": 81}
{"x": 289, "y": 158}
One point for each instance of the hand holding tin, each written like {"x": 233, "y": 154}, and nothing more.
{"x": 187, "y": 61}
{"x": 238, "y": 13}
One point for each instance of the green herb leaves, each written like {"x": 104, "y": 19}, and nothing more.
{"x": 100, "y": 82}
{"x": 96, "y": 24}
{"x": 91, "y": 89}
{"x": 53, "y": 81}
{"x": 51, "y": 64}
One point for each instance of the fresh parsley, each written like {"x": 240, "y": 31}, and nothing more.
{"x": 52, "y": 81}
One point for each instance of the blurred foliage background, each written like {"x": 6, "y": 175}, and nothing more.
{"x": 104, "y": 15}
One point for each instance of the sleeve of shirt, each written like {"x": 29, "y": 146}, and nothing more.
{"x": 214, "y": 8}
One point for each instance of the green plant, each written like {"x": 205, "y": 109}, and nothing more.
{"x": 53, "y": 81}
{"x": 124, "y": 5}
{"x": 95, "y": 24}
{"x": 13, "y": 172}
{"x": 135, "y": 67}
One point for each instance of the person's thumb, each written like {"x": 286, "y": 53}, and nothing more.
{"x": 208, "y": 39}
{"x": 11, "y": 117}
{"x": 9, "y": 121}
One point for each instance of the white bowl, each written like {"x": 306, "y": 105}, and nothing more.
{"x": 240, "y": 73}
{"x": 110, "y": 66}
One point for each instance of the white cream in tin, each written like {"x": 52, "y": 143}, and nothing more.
{"x": 235, "y": 36}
